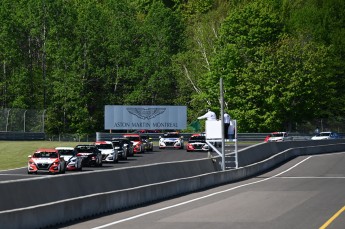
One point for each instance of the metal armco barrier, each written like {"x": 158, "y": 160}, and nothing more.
{"x": 101, "y": 136}
{"x": 19, "y": 136}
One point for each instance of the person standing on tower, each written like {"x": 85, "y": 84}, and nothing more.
{"x": 226, "y": 124}
{"x": 210, "y": 115}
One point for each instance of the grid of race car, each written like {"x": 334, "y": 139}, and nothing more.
{"x": 61, "y": 159}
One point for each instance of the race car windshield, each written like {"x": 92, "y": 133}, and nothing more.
{"x": 104, "y": 146}
{"x": 133, "y": 138}
{"x": 278, "y": 135}
{"x": 84, "y": 150}
{"x": 45, "y": 155}
{"x": 197, "y": 138}
{"x": 171, "y": 135}
{"x": 66, "y": 152}
{"x": 116, "y": 144}
{"x": 324, "y": 134}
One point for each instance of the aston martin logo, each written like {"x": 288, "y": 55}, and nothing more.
{"x": 146, "y": 113}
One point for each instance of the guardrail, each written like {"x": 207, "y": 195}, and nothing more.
{"x": 255, "y": 137}
{"x": 101, "y": 136}
{"x": 22, "y": 136}
{"x": 19, "y": 136}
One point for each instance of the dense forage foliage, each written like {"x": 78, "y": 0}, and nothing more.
{"x": 281, "y": 61}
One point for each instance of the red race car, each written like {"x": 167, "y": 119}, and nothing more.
{"x": 197, "y": 142}
{"x": 138, "y": 144}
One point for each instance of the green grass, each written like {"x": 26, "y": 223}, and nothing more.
{"x": 14, "y": 154}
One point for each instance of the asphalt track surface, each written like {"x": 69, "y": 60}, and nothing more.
{"x": 306, "y": 192}
{"x": 156, "y": 156}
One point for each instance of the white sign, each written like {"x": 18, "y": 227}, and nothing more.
{"x": 118, "y": 117}
{"x": 213, "y": 129}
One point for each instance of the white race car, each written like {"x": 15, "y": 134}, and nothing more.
{"x": 73, "y": 162}
{"x": 279, "y": 137}
{"x": 325, "y": 135}
{"x": 171, "y": 140}
{"x": 109, "y": 154}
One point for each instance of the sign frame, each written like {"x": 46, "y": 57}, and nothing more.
{"x": 137, "y": 117}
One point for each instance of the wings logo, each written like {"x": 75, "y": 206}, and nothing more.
{"x": 146, "y": 113}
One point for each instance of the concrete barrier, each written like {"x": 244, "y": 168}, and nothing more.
{"x": 77, "y": 199}
{"x": 264, "y": 150}
{"x": 40, "y": 190}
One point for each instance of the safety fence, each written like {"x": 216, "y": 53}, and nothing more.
{"x": 22, "y": 120}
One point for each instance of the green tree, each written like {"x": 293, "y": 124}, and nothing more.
{"x": 302, "y": 84}
{"x": 160, "y": 39}
{"x": 244, "y": 35}
{"x": 9, "y": 53}
{"x": 322, "y": 22}
{"x": 92, "y": 55}
{"x": 122, "y": 48}
{"x": 73, "y": 57}
{"x": 23, "y": 39}
{"x": 60, "y": 48}
{"x": 76, "y": 53}
{"x": 193, "y": 7}
{"x": 271, "y": 81}
{"x": 194, "y": 63}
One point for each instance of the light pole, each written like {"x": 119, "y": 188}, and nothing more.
{"x": 222, "y": 121}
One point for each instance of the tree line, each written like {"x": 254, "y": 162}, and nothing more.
{"x": 281, "y": 61}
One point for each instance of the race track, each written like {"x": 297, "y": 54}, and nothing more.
{"x": 306, "y": 192}
{"x": 157, "y": 156}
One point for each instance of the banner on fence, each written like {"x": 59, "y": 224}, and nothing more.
{"x": 118, "y": 117}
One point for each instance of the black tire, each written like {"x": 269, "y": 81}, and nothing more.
{"x": 124, "y": 155}
{"x": 117, "y": 159}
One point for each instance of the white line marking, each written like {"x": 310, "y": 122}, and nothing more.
{"x": 20, "y": 175}
{"x": 13, "y": 169}
{"x": 199, "y": 198}
{"x": 312, "y": 177}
